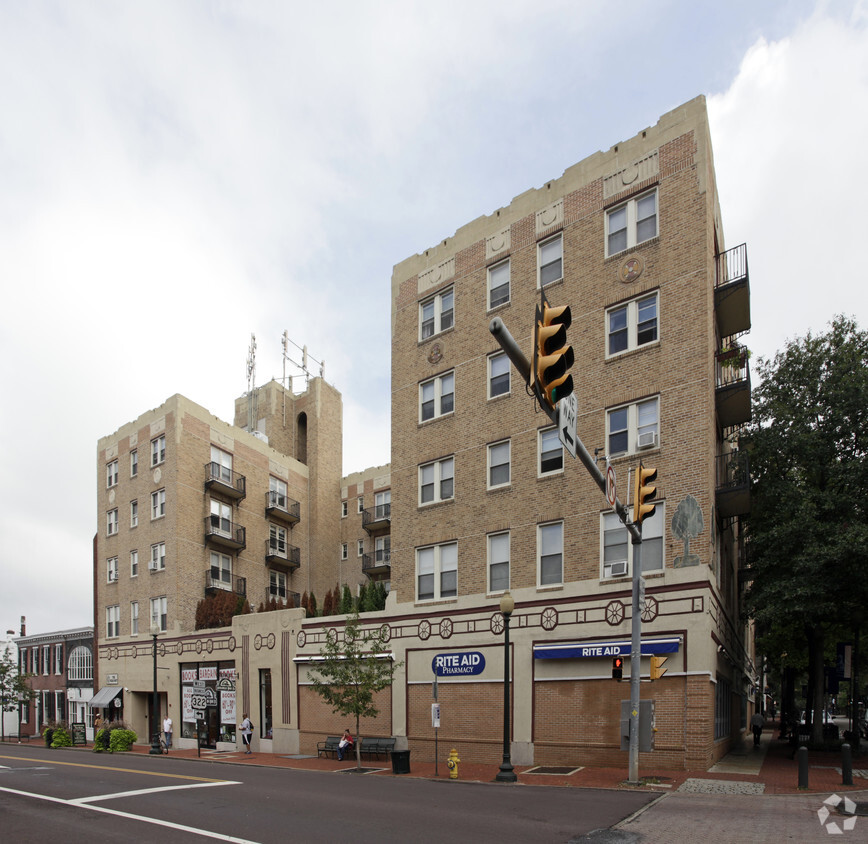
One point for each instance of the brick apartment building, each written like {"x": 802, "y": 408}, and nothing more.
{"x": 479, "y": 496}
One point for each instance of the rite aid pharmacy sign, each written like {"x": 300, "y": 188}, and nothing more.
{"x": 458, "y": 664}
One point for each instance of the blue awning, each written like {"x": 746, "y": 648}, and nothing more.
{"x": 586, "y": 650}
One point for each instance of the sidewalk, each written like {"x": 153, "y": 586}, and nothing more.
{"x": 767, "y": 769}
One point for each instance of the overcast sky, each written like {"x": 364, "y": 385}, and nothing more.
{"x": 176, "y": 176}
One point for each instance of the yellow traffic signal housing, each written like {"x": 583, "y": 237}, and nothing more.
{"x": 617, "y": 667}
{"x": 552, "y": 357}
{"x": 657, "y": 669}
{"x": 642, "y": 508}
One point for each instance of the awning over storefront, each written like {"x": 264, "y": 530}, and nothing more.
{"x": 104, "y": 697}
{"x": 584, "y": 650}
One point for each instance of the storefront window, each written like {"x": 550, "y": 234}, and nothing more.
{"x": 265, "y": 702}
{"x": 208, "y": 700}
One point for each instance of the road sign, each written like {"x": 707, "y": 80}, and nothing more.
{"x": 611, "y": 491}
{"x": 568, "y": 411}
{"x": 435, "y": 714}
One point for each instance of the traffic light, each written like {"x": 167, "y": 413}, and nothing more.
{"x": 657, "y": 669}
{"x": 552, "y": 357}
{"x": 644, "y": 493}
{"x": 617, "y": 667}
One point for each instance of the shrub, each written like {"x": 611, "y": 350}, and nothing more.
{"x": 122, "y": 740}
{"x": 61, "y": 738}
{"x": 48, "y": 735}
{"x": 101, "y": 741}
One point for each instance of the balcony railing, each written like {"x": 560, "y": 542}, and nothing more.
{"x": 732, "y": 291}
{"x": 281, "y": 554}
{"x": 281, "y": 507}
{"x": 223, "y": 532}
{"x": 282, "y": 596}
{"x": 732, "y": 376}
{"x": 377, "y": 518}
{"x": 379, "y": 561}
{"x": 732, "y": 471}
{"x": 224, "y": 480}
{"x": 219, "y": 579}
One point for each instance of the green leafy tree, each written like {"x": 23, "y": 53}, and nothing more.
{"x": 351, "y": 673}
{"x": 13, "y": 687}
{"x": 808, "y": 526}
{"x": 346, "y": 605}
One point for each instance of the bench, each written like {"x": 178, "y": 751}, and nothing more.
{"x": 17, "y": 738}
{"x": 373, "y": 747}
{"x": 328, "y": 747}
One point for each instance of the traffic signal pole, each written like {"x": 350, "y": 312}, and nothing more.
{"x": 507, "y": 342}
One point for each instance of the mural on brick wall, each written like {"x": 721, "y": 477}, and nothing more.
{"x": 686, "y": 524}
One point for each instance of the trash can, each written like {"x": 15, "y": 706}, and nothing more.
{"x": 400, "y": 761}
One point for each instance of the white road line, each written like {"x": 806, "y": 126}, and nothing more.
{"x": 79, "y": 800}
{"x": 144, "y": 819}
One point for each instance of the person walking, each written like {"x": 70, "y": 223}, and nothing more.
{"x": 757, "y": 722}
{"x": 246, "y": 732}
{"x": 167, "y": 731}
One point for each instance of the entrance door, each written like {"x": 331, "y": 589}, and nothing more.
{"x": 209, "y": 729}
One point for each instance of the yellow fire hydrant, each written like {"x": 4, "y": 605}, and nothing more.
{"x": 452, "y": 764}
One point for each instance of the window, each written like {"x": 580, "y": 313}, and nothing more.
{"x": 437, "y": 572}
{"x": 551, "y": 452}
{"x": 221, "y": 570}
{"x": 221, "y": 517}
{"x": 436, "y": 314}
{"x": 617, "y": 549}
{"x": 111, "y": 522}
{"x": 134, "y": 514}
{"x": 436, "y": 481}
{"x": 550, "y": 544}
{"x": 383, "y": 550}
{"x": 551, "y": 260}
{"x": 134, "y": 618}
{"x": 498, "y": 464}
{"x": 158, "y": 450}
{"x": 360, "y": 547}
{"x": 360, "y": 504}
{"x": 112, "y": 567}
{"x": 344, "y": 551}
{"x": 633, "y": 427}
{"x": 498, "y": 562}
{"x": 111, "y": 471}
{"x": 221, "y": 465}
{"x": 277, "y": 540}
{"x": 58, "y": 658}
{"x": 158, "y": 556}
{"x": 134, "y": 463}
{"x": 46, "y": 659}
{"x": 158, "y": 504}
{"x": 277, "y": 492}
{"x": 437, "y": 397}
{"x": 631, "y": 325}
{"x": 134, "y": 563}
{"x": 498, "y": 375}
{"x": 112, "y": 622}
{"x": 80, "y": 666}
{"x": 344, "y": 509}
{"x": 632, "y": 223}
{"x": 498, "y": 284}
{"x": 158, "y": 614}
{"x": 383, "y": 505}
{"x": 277, "y": 585}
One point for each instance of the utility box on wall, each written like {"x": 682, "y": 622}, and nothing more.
{"x": 647, "y": 729}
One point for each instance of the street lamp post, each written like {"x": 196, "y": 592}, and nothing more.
{"x": 155, "y": 704}
{"x": 506, "y": 772}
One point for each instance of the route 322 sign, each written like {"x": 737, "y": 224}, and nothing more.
{"x": 203, "y": 698}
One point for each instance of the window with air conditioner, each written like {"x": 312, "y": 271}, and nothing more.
{"x": 616, "y": 548}
{"x": 633, "y": 427}
{"x": 112, "y": 569}
{"x": 158, "y": 556}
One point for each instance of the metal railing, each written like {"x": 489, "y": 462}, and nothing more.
{"x": 380, "y": 513}
{"x": 276, "y": 593}
{"x": 732, "y": 469}
{"x": 282, "y": 550}
{"x": 731, "y": 265}
{"x": 217, "y": 474}
{"x": 218, "y": 579}
{"x": 219, "y": 527}
{"x": 732, "y": 365}
{"x": 376, "y": 560}
{"x": 279, "y": 501}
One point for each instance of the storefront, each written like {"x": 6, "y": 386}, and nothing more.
{"x": 208, "y": 702}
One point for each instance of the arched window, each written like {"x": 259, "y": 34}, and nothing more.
{"x": 81, "y": 664}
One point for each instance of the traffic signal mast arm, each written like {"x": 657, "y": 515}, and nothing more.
{"x": 507, "y": 342}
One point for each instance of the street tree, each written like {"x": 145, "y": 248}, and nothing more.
{"x": 807, "y": 531}
{"x": 350, "y": 672}
{"x": 13, "y": 687}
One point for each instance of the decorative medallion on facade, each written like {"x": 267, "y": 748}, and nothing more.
{"x": 497, "y": 243}
{"x": 495, "y": 623}
{"x": 232, "y": 643}
{"x": 301, "y": 638}
{"x": 647, "y": 167}
{"x": 631, "y": 269}
{"x": 435, "y": 355}
{"x": 651, "y": 609}
{"x": 424, "y": 630}
{"x": 436, "y": 275}
{"x": 446, "y": 628}
{"x": 199, "y": 646}
{"x": 614, "y": 613}
{"x": 385, "y": 632}
{"x": 332, "y": 635}
{"x": 551, "y": 215}
{"x": 549, "y": 618}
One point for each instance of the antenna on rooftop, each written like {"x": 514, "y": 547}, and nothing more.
{"x": 252, "y": 416}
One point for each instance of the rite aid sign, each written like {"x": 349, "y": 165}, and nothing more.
{"x": 458, "y": 664}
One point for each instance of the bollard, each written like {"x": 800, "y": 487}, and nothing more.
{"x": 803, "y": 767}
{"x": 846, "y": 765}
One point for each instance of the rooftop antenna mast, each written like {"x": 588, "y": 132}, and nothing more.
{"x": 252, "y": 415}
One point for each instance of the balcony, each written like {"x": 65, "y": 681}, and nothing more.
{"x": 220, "y": 479}
{"x": 732, "y": 485}
{"x": 281, "y": 555}
{"x": 732, "y": 292}
{"x": 378, "y": 563}
{"x": 732, "y": 394}
{"x": 224, "y": 534}
{"x": 377, "y": 519}
{"x": 281, "y": 508}
{"x": 218, "y": 579}
{"x": 282, "y": 596}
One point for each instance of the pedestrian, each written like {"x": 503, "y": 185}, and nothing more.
{"x": 345, "y": 742}
{"x": 757, "y": 722}
{"x": 246, "y": 732}
{"x": 167, "y": 731}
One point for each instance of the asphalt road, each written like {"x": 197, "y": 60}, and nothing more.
{"x": 50, "y": 795}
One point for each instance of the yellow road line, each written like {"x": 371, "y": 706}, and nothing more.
{"x": 110, "y": 768}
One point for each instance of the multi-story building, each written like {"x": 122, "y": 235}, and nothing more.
{"x": 480, "y": 497}
{"x": 61, "y": 669}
